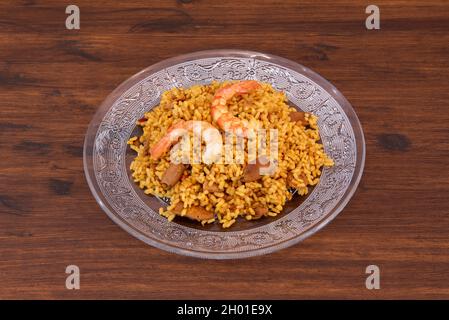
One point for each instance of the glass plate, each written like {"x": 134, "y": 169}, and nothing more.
{"x": 107, "y": 156}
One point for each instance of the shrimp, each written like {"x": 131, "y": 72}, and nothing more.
{"x": 208, "y": 132}
{"x": 220, "y": 113}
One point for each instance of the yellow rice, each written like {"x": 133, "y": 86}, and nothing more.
{"x": 300, "y": 155}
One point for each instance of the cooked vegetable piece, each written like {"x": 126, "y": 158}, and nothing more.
{"x": 252, "y": 170}
{"x": 172, "y": 174}
{"x": 298, "y": 116}
{"x": 260, "y": 212}
{"x": 194, "y": 213}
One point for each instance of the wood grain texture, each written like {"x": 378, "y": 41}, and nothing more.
{"x": 53, "y": 79}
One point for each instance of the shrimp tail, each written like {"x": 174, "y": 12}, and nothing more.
{"x": 220, "y": 113}
{"x": 165, "y": 143}
{"x": 160, "y": 148}
{"x": 209, "y": 134}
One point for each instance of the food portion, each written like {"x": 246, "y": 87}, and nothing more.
{"x": 209, "y": 187}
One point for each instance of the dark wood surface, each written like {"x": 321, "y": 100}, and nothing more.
{"x": 52, "y": 80}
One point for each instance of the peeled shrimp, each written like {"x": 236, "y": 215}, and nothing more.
{"x": 208, "y": 132}
{"x": 220, "y": 113}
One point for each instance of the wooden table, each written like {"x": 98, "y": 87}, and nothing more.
{"x": 52, "y": 80}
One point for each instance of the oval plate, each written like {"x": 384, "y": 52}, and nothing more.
{"x": 107, "y": 157}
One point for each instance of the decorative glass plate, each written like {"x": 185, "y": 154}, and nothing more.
{"x": 107, "y": 156}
